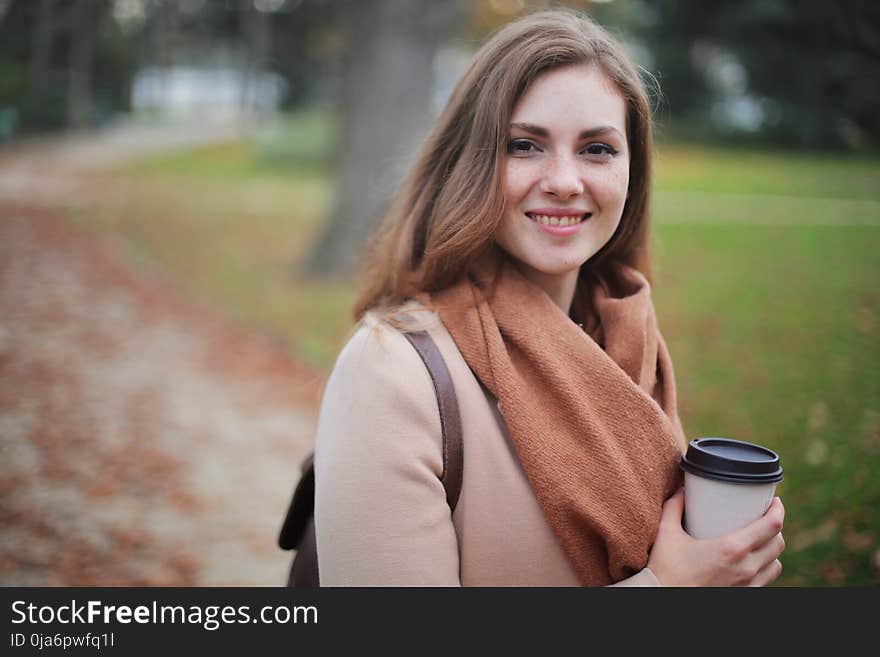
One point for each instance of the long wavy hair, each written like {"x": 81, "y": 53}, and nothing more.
{"x": 446, "y": 212}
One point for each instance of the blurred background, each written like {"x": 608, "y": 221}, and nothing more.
{"x": 186, "y": 185}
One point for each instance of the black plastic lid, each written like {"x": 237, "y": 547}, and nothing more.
{"x": 731, "y": 460}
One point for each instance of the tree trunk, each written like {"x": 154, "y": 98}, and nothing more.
{"x": 82, "y": 49}
{"x": 256, "y": 30}
{"x": 161, "y": 41}
{"x": 41, "y": 50}
{"x": 388, "y": 88}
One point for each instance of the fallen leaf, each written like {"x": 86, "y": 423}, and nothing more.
{"x": 817, "y": 452}
{"x": 807, "y": 538}
{"x": 818, "y": 416}
{"x": 857, "y": 541}
{"x": 865, "y": 320}
{"x": 833, "y": 573}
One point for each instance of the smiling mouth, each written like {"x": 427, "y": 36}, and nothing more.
{"x": 570, "y": 220}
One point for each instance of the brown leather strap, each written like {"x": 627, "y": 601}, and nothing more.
{"x": 298, "y": 530}
{"x": 450, "y": 419}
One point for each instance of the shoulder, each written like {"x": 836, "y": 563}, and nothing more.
{"x": 381, "y": 515}
{"x": 379, "y": 351}
{"x": 379, "y": 384}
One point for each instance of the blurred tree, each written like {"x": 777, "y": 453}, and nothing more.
{"x": 82, "y": 51}
{"x": 41, "y": 49}
{"x": 63, "y": 63}
{"x": 387, "y": 104}
{"x": 307, "y": 49}
{"x": 257, "y": 36}
{"x": 805, "y": 70}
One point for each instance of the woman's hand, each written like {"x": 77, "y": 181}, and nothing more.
{"x": 745, "y": 557}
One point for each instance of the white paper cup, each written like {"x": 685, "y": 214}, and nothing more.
{"x": 727, "y": 484}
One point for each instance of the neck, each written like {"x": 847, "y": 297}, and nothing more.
{"x": 559, "y": 287}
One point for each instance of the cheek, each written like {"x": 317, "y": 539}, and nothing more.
{"x": 613, "y": 185}
{"x": 517, "y": 181}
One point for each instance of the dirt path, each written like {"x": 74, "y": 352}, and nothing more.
{"x": 46, "y": 171}
{"x": 143, "y": 440}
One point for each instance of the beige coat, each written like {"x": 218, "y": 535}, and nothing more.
{"x": 381, "y": 515}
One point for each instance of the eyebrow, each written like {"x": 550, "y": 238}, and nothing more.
{"x": 538, "y": 131}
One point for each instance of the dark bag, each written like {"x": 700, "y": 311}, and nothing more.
{"x": 298, "y": 530}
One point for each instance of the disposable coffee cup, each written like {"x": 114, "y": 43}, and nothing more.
{"x": 727, "y": 484}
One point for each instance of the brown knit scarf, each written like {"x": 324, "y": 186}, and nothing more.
{"x": 593, "y": 419}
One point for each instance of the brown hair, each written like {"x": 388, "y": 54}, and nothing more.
{"x": 447, "y": 210}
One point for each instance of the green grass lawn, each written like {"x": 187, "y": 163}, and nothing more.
{"x": 767, "y": 291}
{"x": 773, "y": 331}
{"x": 766, "y": 285}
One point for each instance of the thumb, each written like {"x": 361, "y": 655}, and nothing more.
{"x": 673, "y": 508}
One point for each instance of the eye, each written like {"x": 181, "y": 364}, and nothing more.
{"x": 521, "y": 147}
{"x": 601, "y": 150}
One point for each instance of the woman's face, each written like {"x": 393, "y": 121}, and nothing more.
{"x": 566, "y": 171}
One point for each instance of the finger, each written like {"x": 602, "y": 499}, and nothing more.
{"x": 778, "y": 501}
{"x": 758, "y": 532}
{"x": 673, "y": 508}
{"x": 767, "y": 574}
{"x": 767, "y": 553}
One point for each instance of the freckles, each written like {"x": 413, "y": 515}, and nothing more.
{"x": 517, "y": 180}
{"x": 618, "y": 173}
{"x": 613, "y": 181}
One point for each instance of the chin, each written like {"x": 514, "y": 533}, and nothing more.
{"x": 555, "y": 268}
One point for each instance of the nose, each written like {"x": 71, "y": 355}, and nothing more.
{"x": 562, "y": 178}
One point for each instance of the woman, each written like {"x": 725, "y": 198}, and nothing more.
{"x": 520, "y": 242}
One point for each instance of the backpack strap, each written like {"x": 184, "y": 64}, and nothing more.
{"x": 298, "y": 531}
{"x": 450, "y": 419}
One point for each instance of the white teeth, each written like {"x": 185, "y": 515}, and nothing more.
{"x": 557, "y": 221}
